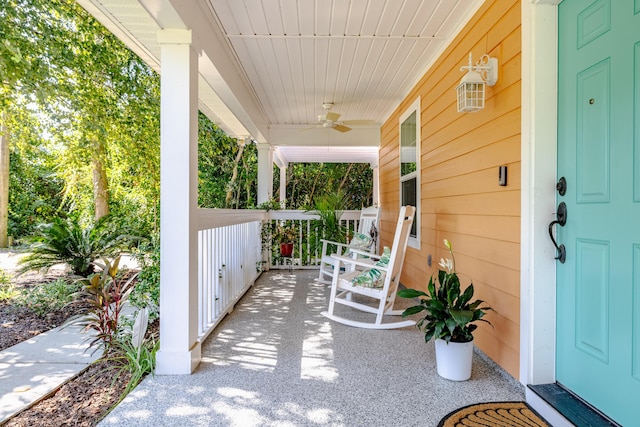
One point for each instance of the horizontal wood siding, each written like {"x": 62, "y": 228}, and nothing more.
{"x": 460, "y": 197}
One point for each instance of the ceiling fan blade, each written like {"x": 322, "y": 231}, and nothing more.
{"x": 342, "y": 128}
{"x": 309, "y": 128}
{"x": 359, "y": 122}
{"x": 332, "y": 117}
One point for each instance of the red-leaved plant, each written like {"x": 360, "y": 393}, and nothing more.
{"x": 105, "y": 293}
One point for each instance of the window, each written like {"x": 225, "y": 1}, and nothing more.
{"x": 410, "y": 166}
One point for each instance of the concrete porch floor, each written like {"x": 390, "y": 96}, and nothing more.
{"x": 275, "y": 361}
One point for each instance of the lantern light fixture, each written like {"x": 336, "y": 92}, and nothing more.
{"x": 471, "y": 89}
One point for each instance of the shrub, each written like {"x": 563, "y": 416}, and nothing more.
{"x": 66, "y": 241}
{"x": 5, "y": 278}
{"x": 47, "y": 297}
{"x": 7, "y": 290}
{"x": 146, "y": 293}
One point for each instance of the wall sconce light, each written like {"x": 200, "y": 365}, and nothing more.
{"x": 471, "y": 88}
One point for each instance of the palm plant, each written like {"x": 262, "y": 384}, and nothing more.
{"x": 66, "y": 241}
{"x": 329, "y": 208}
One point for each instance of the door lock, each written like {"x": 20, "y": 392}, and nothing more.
{"x": 561, "y": 186}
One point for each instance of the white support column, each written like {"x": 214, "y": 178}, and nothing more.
{"x": 376, "y": 184}
{"x": 283, "y": 186}
{"x": 265, "y": 172}
{"x": 179, "y": 349}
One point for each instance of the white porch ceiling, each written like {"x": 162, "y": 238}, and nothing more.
{"x": 267, "y": 66}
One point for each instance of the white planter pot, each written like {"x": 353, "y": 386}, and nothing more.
{"x": 453, "y": 359}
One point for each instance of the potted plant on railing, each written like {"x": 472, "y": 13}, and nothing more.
{"x": 285, "y": 235}
{"x": 449, "y": 320}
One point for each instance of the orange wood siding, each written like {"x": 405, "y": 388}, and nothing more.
{"x": 460, "y": 197}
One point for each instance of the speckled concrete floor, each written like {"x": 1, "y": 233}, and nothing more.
{"x": 275, "y": 361}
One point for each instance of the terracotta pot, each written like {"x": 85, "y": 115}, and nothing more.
{"x": 453, "y": 359}
{"x": 286, "y": 249}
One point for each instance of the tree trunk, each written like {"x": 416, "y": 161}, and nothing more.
{"x": 4, "y": 180}
{"x": 313, "y": 187}
{"x": 100, "y": 184}
{"x": 234, "y": 176}
{"x": 346, "y": 175}
{"x": 247, "y": 183}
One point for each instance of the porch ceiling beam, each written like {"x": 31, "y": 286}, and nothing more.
{"x": 332, "y": 36}
{"x": 306, "y": 154}
{"x": 301, "y": 135}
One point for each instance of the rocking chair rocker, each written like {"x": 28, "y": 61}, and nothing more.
{"x": 346, "y": 282}
{"x": 367, "y": 226}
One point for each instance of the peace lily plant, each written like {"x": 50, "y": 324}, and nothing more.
{"x": 450, "y": 314}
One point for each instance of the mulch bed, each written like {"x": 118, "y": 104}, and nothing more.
{"x": 84, "y": 400}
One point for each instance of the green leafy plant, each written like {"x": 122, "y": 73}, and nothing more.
{"x": 270, "y": 205}
{"x": 66, "y": 241}
{"x": 105, "y": 293}
{"x": 285, "y": 232}
{"x": 5, "y": 278}
{"x": 329, "y": 209}
{"x": 7, "y": 290}
{"x": 146, "y": 293}
{"x": 138, "y": 361}
{"x": 47, "y": 297}
{"x": 450, "y": 313}
{"x": 134, "y": 352}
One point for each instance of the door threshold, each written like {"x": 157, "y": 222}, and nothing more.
{"x": 571, "y": 407}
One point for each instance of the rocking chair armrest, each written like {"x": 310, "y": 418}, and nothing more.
{"x": 358, "y": 251}
{"x": 359, "y": 262}
{"x": 340, "y": 247}
{"x": 331, "y": 242}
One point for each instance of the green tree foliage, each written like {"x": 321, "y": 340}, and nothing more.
{"x": 218, "y": 155}
{"x": 309, "y": 182}
{"x": 36, "y": 191}
{"x": 103, "y": 102}
{"x": 91, "y": 144}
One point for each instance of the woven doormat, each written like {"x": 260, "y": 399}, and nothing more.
{"x": 494, "y": 414}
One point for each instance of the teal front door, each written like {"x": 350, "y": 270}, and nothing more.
{"x": 598, "y": 286}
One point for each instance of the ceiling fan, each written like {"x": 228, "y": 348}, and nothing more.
{"x": 329, "y": 119}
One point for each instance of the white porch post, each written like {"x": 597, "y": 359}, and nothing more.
{"x": 265, "y": 172}
{"x": 283, "y": 186}
{"x": 376, "y": 183}
{"x": 179, "y": 349}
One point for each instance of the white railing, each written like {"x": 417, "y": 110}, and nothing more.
{"x": 229, "y": 261}
{"x": 234, "y": 246}
{"x": 306, "y": 254}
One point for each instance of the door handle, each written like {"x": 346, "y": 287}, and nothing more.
{"x": 561, "y": 221}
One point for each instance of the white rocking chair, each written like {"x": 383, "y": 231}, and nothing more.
{"x": 343, "y": 287}
{"x": 368, "y": 223}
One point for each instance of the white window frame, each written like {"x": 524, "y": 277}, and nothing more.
{"x": 414, "y": 241}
